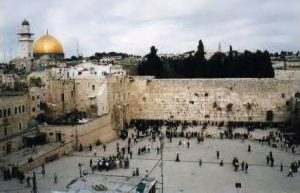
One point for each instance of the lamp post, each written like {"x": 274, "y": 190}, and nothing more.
{"x": 161, "y": 162}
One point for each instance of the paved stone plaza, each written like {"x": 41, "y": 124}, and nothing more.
{"x": 186, "y": 175}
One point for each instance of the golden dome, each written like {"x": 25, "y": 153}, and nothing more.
{"x": 47, "y": 44}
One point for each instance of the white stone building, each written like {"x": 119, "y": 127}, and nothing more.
{"x": 87, "y": 70}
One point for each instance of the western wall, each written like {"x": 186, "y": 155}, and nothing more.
{"x": 214, "y": 100}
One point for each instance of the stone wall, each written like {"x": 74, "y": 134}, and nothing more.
{"x": 63, "y": 149}
{"x": 85, "y": 134}
{"x": 211, "y": 99}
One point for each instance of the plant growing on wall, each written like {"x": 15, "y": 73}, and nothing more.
{"x": 270, "y": 115}
{"x": 248, "y": 106}
{"x": 215, "y": 105}
{"x": 229, "y": 107}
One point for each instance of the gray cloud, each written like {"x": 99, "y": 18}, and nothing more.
{"x": 132, "y": 26}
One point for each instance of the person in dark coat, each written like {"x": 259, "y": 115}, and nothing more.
{"x": 249, "y": 148}
{"x": 268, "y": 159}
{"x": 177, "y": 158}
{"x": 243, "y": 165}
{"x": 91, "y": 163}
{"x": 221, "y": 163}
{"x": 43, "y": 169}
{"x": 218, "y": 154}
{"x": 246, "y": 168}
{"x": 28, "y": 181}
{"x": 281, "y": 167}
{"x": 272, "y": 161}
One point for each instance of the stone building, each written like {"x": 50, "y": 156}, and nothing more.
{"x": 14, "y": 122}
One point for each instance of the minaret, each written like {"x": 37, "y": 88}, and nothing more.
{"x": 25, "y": 40}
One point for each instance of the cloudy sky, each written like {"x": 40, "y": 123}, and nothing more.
{"x": 173, "y": 26}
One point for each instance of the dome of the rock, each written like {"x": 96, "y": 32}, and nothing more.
{"x": 48, "y": 47}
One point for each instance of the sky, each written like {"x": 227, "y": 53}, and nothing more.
{"x": 173, "y": 26}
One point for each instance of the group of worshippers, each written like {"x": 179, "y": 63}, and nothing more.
{"x": 236, "y": 165}
{"x": 12, "y": 172}
{"x": 110, "y": 163}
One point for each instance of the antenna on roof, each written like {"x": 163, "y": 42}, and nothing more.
{"x": 77, "y": 48}
{"x": 47, "y": 31}
{"x": 220, "y": 47}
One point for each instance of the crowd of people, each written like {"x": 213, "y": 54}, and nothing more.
{"x": 122, "y": 154}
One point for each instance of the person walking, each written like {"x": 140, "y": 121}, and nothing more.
{"x": 249, "y": 148}
{"x": 246, "y": 168}
{"x": 200, "y": 162}
{"x": 218, "y": 154}
{"x": 281, "y": 167}
{"x": 28, "y": 182}
{"x": 55, "y": 178}
{"x": 243, "y": 165}
{"x": 290, "y": 174}
{"x": 221, "y": 163}
{"x": 268, "y": 159}
{"x": 272, "y": 161}
{"x": 177, "y": 158}
{"x": 91, "y": 163}
{"x": 43, "y": 169}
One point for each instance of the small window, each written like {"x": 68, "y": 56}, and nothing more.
{"x": 4, "y": 113}
{"x": 72, "y": 93}
{"x": 287, "y": 103}
{"x": 50, "y": 134}
{"x": 93, "y": 87}
{"x": 38, "y": 96}
{"x": 23, "y": 108}
{"x": 32, "y": 98}
{"x": 8, "y": 112}
{"x": 20, "y": 126}
{"x": 33, "y": 109}
{"x": 19, "y": 109}
{"x": 0, "y": 113}
{"x": 283, "y": 95}
{"x": 16, "y": 110}
{"x": 62, "y": 97}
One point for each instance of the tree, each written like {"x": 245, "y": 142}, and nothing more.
{"x": 152, "y": 66}
{"x": 98, "y": 56}
{"x": 198, "y": 64}
{"x": 73, "y": 58}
